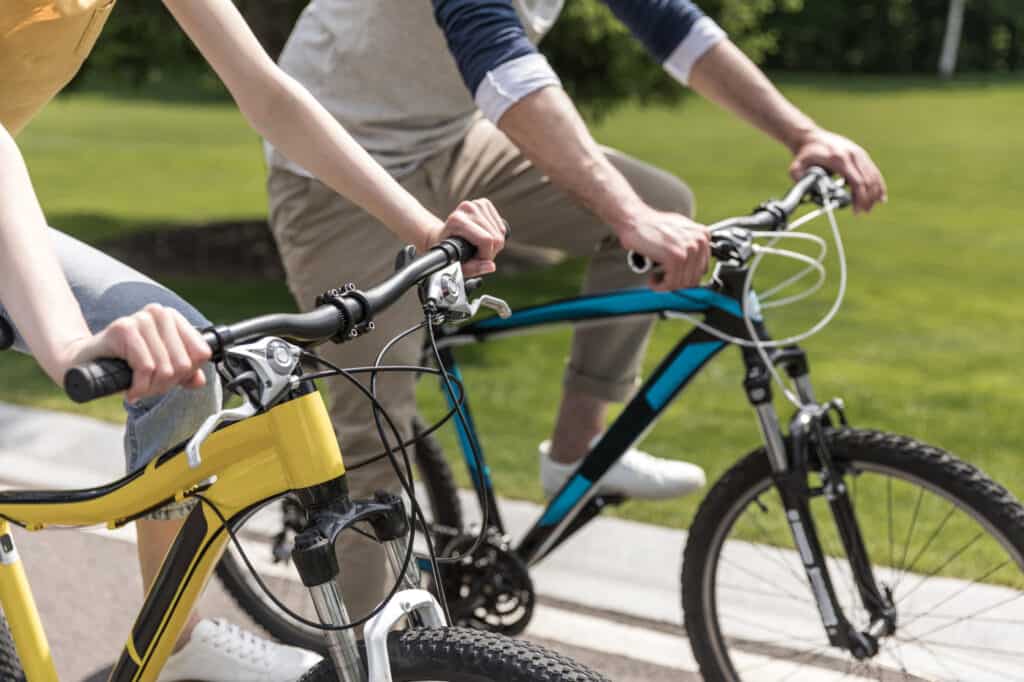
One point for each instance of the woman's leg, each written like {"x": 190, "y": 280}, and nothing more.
{"x": 106, "y": 290}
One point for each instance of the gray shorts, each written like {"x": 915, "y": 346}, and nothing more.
{"x": 107, "y": 289}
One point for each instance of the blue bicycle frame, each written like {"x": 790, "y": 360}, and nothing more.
{"x": 565, "y": 512}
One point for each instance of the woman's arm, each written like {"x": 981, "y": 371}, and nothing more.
{"x": 159, "y": 345}
{"x": 294, "y": 122}
{"x": 29, "y": 273}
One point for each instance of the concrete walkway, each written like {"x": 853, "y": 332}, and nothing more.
{"x": 614, "y": 588}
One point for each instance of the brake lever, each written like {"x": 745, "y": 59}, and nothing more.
{"x": 494, "y": 303}
{"x": 210, "y": 425}
{"x": 446, "y": 289}
{"x": 271, "y": 362}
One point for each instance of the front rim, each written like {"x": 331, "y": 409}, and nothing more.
{"x": 934, "y": 639}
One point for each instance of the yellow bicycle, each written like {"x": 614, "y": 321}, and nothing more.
{"x": 278, "y": 442}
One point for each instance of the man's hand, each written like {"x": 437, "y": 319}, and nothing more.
{"x": 479, "y": 223}
{"x": 676, "y": 243}
{"x": 841, "y": 155}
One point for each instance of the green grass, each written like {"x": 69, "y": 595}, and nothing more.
{"x": 926, "y": 344}
{"x": 102, "y": 166}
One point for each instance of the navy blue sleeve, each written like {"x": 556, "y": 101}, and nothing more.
{"x": 659, "y": 24}
{"x": 482, "y": 35}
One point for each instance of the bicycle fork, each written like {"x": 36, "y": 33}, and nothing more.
{"x": 790, "y": 467}
{"x": 331, "y": 511}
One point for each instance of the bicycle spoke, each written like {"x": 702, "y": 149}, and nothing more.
{"x": 906, "y": 542}
{"x": 938, "y": 660}
{"x": 972, "y": 663}
{"x": 781, "y": 556}
{"x": 1004, "y": 653}
{"x": 756, "y": 576}
{"x": 774, "y": 660}
{"x": 747, "y": 589}
{"x": 816, "y": 659}
{"x": 957, "y": 593}
{"x": 980, "y": 611}
{"x": 935, "y": 534}
{"x": 947, "y": 562}
{"x": 768, "y": 628}
{"x": 893, "y": 650}
{"x": 888, "y": 482}
{"x": 1000, "y": 621}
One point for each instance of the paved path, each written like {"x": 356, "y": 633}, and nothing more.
{"x": 609, "y": 597}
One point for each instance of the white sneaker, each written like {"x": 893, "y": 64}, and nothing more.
{"x": 637, "y": 475}
{"x": 219, "y": 651}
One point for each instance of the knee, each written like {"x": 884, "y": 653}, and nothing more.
{"x": 127, "y": 298}
{"x": 658, "y": 188}
{"x": 687, "y": 202}
{"x": 674, "y": 195}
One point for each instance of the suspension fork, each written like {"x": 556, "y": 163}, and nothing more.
{"x": 790, "y": 471}
{"x": 331, "y": 512}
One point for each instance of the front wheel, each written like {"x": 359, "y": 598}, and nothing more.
{"x": 943, "y": 539}
{"x": 10, "y": 666}
{"x": 459, "y": 655}
{"x": 280, "y": 521}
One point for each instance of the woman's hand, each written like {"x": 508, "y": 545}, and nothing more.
{"x": 479, "y": 223}
{"x": 158, "y": 343}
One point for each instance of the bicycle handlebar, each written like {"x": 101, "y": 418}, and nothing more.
{"x": 770, "y": 215}
{"x": 345, "y": 311}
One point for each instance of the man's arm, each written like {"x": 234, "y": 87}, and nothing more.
{"x": 696, "y": 52}
{"x": 727, "y": 77}
{"x": 515, "y": 87}
{"x": 546, "y": 126}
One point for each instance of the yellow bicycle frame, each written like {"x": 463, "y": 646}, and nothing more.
{"x": 290, "y": 447}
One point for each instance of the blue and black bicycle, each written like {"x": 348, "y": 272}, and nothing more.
{"x": 829, "y": 552}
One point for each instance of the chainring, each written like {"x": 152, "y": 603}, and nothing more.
{"x": 490, "y": 589}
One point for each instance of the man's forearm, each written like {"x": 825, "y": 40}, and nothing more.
{"x": 727, "y": 77}
{"x": 546, "y": 126}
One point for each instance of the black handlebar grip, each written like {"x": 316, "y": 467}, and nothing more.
{"x": 464, "y": 250}
{"x": 97, "y": 379}
{"x": 6, "y": 335}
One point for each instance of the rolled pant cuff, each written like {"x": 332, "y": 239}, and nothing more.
{"x": 611, "y": 390}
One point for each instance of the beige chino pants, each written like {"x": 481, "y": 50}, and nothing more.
{"x": 326, "y": 241}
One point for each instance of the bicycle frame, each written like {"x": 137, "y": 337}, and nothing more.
{"x": 667, "y": 381}
{"x": 291, "y": 447}
{"x": 576, "y": 502}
